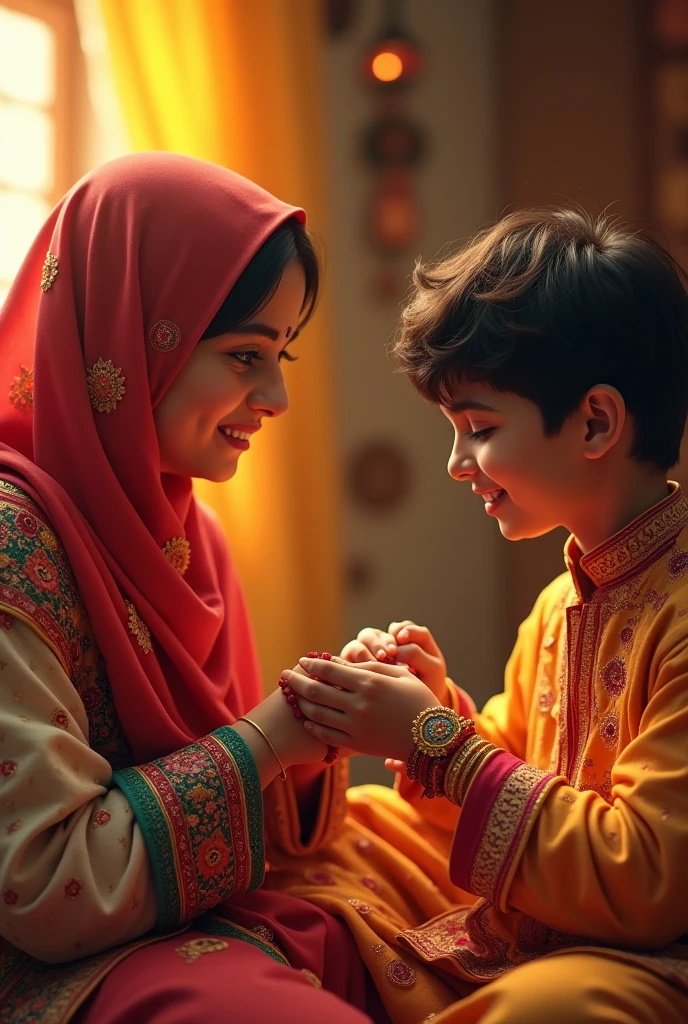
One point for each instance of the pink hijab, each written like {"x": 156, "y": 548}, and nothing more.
{"x": 146, "y": 249}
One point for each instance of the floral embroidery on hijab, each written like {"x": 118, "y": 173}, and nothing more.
{"x": 177, "y": 551}
{"x": 139, "y": 629}
{"x": 164, "y": 336}
{"x": 105, "y": 386}
{"x": 21, "y": 390}
{"x": 49, "y": 272}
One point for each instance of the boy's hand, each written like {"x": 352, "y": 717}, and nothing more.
{"x": 410, "y": 644}
{"x": 371, "y": 712}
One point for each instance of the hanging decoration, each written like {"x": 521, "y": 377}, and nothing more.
{"x": 667, "y": 50}
{"x": 393, "y": 146}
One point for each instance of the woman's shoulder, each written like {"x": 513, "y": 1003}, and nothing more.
{"x": 37, "y": 584}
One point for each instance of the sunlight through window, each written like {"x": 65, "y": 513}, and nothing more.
{"x": 27, "y": 134}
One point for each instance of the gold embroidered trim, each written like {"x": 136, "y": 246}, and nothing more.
{"x": 49, "y": 272}
{"x": 139, "y": 629}
{"x": 105, "y": 387}
{"x": 504, "y": 830}
{"x": 21, "y": 390}
{"x": 629, "y": 548}
{"x": 194, "y": 948}
{"x": 177, "y": 551}
{"x": 313, "y": 978}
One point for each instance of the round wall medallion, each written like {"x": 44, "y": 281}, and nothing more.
{"x": 379, "y": 476}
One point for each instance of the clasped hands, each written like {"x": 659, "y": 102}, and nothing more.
{"x": 362, "y": 703}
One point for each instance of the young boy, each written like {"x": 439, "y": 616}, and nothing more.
{"x": 557, "y": 346}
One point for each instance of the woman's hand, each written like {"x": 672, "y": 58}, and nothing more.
{"x": 371, "y": 712}
{"x": 287, "y": 735}
{"x": 409, "y": 644}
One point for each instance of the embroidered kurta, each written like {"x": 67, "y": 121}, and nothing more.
{"x": 575, "y": 832}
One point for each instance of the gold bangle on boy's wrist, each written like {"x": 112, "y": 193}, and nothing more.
{"x": 456, "y": 764}
{"x": 463, "y": 767}
{"x": 471, "y": 770}
{"x": 283, "y": 773}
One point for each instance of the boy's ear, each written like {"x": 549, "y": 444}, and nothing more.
{"x": 604, "y": 415}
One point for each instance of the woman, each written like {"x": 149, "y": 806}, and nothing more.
{"x": 145, "y": 348}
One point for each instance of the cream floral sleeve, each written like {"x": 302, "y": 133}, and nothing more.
{"x": 75, "y": 873}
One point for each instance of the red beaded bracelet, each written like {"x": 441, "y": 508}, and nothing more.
{"x": 292, "y": 700}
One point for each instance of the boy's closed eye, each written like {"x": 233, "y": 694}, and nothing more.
{"x": 481, "y": 435}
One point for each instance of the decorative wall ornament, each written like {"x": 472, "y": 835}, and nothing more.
{"x": 669, "y": 118}
{"x": 393, "y": 145}
{"x": 379, "y": 476}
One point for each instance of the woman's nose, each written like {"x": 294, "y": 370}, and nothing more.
{"x": 269, "y": 396}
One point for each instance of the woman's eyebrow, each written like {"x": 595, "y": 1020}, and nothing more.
{"x": 262, "y": 329}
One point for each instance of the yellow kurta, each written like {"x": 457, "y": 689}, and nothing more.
{"x": 579, "y": 841}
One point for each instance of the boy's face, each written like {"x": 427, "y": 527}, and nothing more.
{"x": 530, "y": 483}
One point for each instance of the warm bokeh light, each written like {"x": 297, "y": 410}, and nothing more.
{"x": 27, "y": 58}
{"x": 387, "y": 67}
{"x": 27, "y": 135}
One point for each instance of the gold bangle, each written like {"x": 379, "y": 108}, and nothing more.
{"x": 283, "y": 775}
{"x": 470, "y": 771}
{"x": 456, "y": 765}
{"x": 485, "y": 756}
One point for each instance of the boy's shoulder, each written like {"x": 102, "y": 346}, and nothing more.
{"x": 555, "y": 596}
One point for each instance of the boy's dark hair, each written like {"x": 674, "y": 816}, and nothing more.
{"x": 548, "y": 303}
{"x": 260, "y": 279}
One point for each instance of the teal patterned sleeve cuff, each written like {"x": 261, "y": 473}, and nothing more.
{"x": 200, "y": 810}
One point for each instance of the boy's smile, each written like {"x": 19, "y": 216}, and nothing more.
{"x": 529, "y": 482}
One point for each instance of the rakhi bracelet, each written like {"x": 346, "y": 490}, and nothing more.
{"x": 438, "y": 732}
{"x": 292, "y": 700}
{"x": 283, "y": 773}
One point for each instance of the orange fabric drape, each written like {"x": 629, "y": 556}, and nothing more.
{"x": 239, "y": 83}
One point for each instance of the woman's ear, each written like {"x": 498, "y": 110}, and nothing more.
{"x": 604, "y": 416}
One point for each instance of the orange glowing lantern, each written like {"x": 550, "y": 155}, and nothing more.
{"x": 393, "y": 58}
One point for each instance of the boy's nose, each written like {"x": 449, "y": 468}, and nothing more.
{"x": 461, "y": 465}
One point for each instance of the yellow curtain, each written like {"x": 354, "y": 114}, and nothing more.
{"x": 239, "y": 82}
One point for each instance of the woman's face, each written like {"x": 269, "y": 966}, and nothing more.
{"x": 219, "y": 398}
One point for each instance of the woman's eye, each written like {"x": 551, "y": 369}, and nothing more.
{"x": 481, "y": 435}
{"x": 245, "y": 358}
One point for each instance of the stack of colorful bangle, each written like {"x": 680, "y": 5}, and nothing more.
{"x": 292, "y": 700}
{"x": 446, "y": 753}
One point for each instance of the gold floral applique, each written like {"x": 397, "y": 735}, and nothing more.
{"x": 21, "y": 390}
{"x": 49, "y": 272}
{"x": 194, "y": 948}
{"x": 177, "y": 551}
{"x": 105, "y": 386}
{"x": 139, "y": 629}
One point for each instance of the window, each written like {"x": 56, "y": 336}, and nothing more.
{"x": 33, "y": 36}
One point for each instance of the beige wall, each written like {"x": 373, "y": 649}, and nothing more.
{"x": 437, "y": 558}
{"x": 571, "y": 127}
